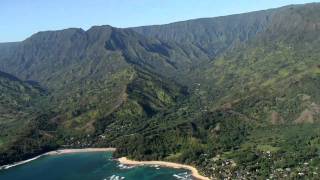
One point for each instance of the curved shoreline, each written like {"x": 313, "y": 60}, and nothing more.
{"x": 122, "y": 160}
{"x": 58, "y": 152}
{"x": 193, "y": 170}
{"x": 71, "y": 151}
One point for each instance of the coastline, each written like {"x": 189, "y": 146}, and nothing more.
{"x": 58, "y": 152}
{"x": 193, "y": 170}
{"x": 122, "y": 160}
{"x": 71, "y": 151}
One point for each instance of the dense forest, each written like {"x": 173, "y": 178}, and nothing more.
{"x": 235, "y": 96}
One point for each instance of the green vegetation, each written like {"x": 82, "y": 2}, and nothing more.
{"x": 235, "y": 96}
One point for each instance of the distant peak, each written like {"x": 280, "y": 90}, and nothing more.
{"x": 102, "y": 27}
{"x": 61, "y": 31}
{"x": 64, "y": 33}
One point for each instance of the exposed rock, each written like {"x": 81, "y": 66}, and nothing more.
{"x": 305, "y": 97}
{"x": 305, "y": 117}
{"x": 276, "y": 118}
{"x": 308, "y": 115}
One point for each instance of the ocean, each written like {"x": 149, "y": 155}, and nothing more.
{"x": 88, "y": 166}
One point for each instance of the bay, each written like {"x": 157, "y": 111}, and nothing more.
{"x": 88, "y": 166}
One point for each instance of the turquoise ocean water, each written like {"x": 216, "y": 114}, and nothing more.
{"x": 88, "y": 166}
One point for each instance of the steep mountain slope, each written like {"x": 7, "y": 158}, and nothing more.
{"x": 74, "y": 54}
{"x": 89, "y": 81}
{"x": 20, "y": 106}
{"x": 270, "y": 83}
{"x": 236, "y": 96}
{"x": 17, "y": 101}
{"x": 281, "y": 63}
{"x": 213, "y": 35}
{"x": 280, "y": 49}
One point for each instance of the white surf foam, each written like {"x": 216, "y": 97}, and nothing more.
{"x": 19, "y": 163}
{"x": 183, "y": 176}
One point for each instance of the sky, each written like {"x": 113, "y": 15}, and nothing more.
{"x": 22, "y": 18}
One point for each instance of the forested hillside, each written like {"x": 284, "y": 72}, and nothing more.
{"x": 236, "y": 96}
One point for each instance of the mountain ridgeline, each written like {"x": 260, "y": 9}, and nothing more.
{"x": 235, "y": 96}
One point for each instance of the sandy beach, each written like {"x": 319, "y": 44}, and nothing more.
{"x": 194, "y": 171}
{"x": 122, "y": 160}
{"x": 70, "y": 151}
{"x": 57, "y": 152}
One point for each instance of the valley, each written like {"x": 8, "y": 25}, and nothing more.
{"x": 235, "y": 96}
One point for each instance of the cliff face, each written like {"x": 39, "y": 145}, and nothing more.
{"x": 239, "y": 91}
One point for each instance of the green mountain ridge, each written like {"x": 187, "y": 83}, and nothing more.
{"x": 110, "y": 86}
{"x": 235, "y": 96}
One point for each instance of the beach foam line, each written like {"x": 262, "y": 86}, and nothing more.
{"x": 57, "y": 152}
{"x": 71, "y": 151}
{"x": 193, "y": 170}
{"x": 19, "y": 163}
